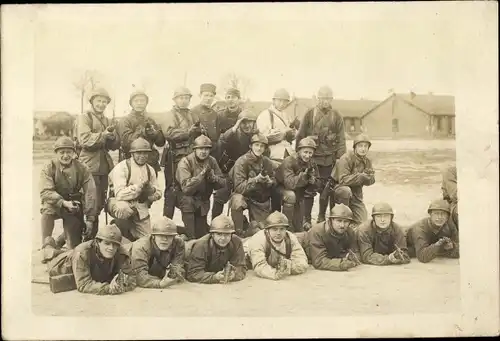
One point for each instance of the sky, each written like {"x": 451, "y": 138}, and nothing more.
{"x": 360, "y": 50}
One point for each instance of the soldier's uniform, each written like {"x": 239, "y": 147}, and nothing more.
{"x": 450, "y": 193}
{"x": 226, "y": 118}
{"x": 129, "y": 202}
{"x": 422, "y": 236}
{"x": 60, "y": 183}
{"x": 350, "y": 174}
{"x": 247, "y": 192}
{"x": 376, "y": 244}
{"x": 206, "y": 258}
{"x": 294, "y": 178}
{"x": 134, "y": 126}
{"x": 92, "y": 272}
{"x": 208, "y": 118}
{"x": 197, "y": 188}
{"x": 327, "y": 128}
{"x": 265, "y": 255}
{"x": 151, "y": 264}
{"x": 95, "y": 150}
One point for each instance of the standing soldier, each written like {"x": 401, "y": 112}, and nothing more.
{"x": 274, "y": 252}
{"x": 326, "y": 126}
{"x": 296, "y": 175}
{"x": 332, "y": 245}
{"x": 198, "y": 175}
{"x": 207, "y": 115}
{"x": 67, "y": 192}
{"x": 253, "y": 183}
{"x": 217, "y": 257}
{"x": 233, "y": 143}
{"x": 158, "y": 259}
{"x": 182, "y": 129}
{"x": 381, "y": 241}
{"x": 435, "y": 235}
{"x": 97, "y": 136}
{"x": 134, "y": 187}
{"x": 227, "y": 117}
{"x": 139, "y": 124}
{"x": 450, "y": 193}
{"x": 353, "y": 171}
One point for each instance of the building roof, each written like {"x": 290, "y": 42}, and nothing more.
{"x": 346, "y": 107}
{"x": 432, "y": 104}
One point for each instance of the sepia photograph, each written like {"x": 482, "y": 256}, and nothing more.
{"x": 206, "y": 163}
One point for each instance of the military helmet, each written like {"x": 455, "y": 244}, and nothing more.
{"x": 182, "y": 91}
{"x": 259, "y": 138}
{"x": 140, "y": 145}
{"x": 164, "y": 226}
{"x": 341, "y": 211}
{"x": 137, "y": 93}
{"x": 439, "y": 205}
{"x": 307, "y": 143}
{"x": 382, "y": 208}
{"x": 64, "y": 142}
{"x": 222, "y": 224}
{"x": 361, "y": 138}
{"x": 202, "y": 141}
{"x": 248, "y": 114}
{"x": 276, "y": 219}
{"x": 99, "y": 92}
{"x": 281, "y": 94}
{"x": 111, "y": 233}
{"x": 325, "y": 92}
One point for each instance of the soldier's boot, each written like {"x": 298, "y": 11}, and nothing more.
{"x": 239, "y": 221}
{"x": 189, "y": 224}
{"x": 49, "y": 250}
{"x": 323, "y": 204}
{"x": 308, "y": 205}
{"x": 217, "y": 209}
{"x": 288, "y": 211}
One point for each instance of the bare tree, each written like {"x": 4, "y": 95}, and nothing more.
{"x": 234, "y": 80}
{"x": 88, "y": 81}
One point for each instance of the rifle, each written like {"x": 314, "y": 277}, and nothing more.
{"x": 351, "y": 254}
{"x": 227, "y": 270}
{"x": 400, "y": 254}
{"x": 122, "y": 279}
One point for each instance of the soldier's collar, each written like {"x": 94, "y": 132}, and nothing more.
{"x": 379, "y": 230}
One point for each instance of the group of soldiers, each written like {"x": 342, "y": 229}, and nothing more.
{"x": 239, "y": 157}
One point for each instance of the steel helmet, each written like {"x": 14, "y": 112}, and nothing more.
{"x": 202, "y": 141}
{"x": 137, "y": 93}
{"x": 164, "y": 226}
{"x": 222, "y": 224}
{"x": 259, "y": 138}
{"x": 182, "y": 91}
{"x": 382, "y": 208}
{"x": 99, "y": 92}
{"x": 140, "y": 145}
{"x": 111, "y": 233}
{"x": 64, "y": 142}
{"x": 325, "y": 92}
{"x": 306, "y": 143}
{"x": 276, "y": 219}
{"x": 281, "y": 94}
{"x": 439, "y": 205}
{"x": 248, "y": 114}
{"x": 361, "y": 138}
{"x": 341, "y": 211}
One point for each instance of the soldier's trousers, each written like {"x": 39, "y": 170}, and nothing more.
{"x": 324, "y": 174}
{"x": 256, "y": 211}
{"x": 195, "y": 224}
{"x": 172, "y": 195}
{"x": 134, "y": 228}
{"x": 72, "y": 225}
{"x": 344, "y": 195}
{"x": 293, "y": 208}
{"x": 221, "y": 196}
{"x": 101, "y": 184}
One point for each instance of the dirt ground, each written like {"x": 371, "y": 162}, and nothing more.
{"x": 408, "y": 177}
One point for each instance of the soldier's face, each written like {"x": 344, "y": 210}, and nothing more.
{"x": 163, "y": 242}
{"x": 232, "y": 101}
{"x": 206, "y": 98}
{"x": 306, "y": 154}
{"x": 182, "y": 101}
{"x": 258, "y": 148}
{"x": 99, "y": 103}
{"x": 65, "y": 155}
{"x": 221, "y": 239}
{"x": 439, "y": 218}
{"x": 362, "y": 148}
{"x": 280, "y": 104}
{"x": 139, "y": 103}
{"x": 107, "y": 248}
{"x": 140, "y": 157}
{"x": 325, "y": 103}
{"x": 339, "y": 225}
{"x": 247, "y": 126}
{"x": 382, "y": 221}
{"x": 202, "y": 153}
{"x": 277, "y": 233}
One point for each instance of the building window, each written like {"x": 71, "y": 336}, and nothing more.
{"x": 439, "y": 124}
{"x": 395, "y": 125}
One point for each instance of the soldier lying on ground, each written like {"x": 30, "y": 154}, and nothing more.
{"x": 198, "y": 175}
{"x": 217, "y": 257}
{"x": 100, "y": 266}
{"x": 158, "y": 259}
{"x": 435, "y": 235}
{"x": 381, "y": 241}
{"x": 275, "y": 253}
{"x": 67, "y": 192}
{"x": 133, "y": 188}
{"x": 450, "y": 193}
{"x": 332, "y": 245}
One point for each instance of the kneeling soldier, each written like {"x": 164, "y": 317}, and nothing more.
{"x": 100, "y": 266}
{"x": 153, "y": 255}
{"x": 67, "y": 192}
{"x": 198, "y": 174}
{"x": 434, "y": 236}
{"x": 275, "y": 252}
{"x": 332, "y": 245}
{"x": 381, "y": 241}
{"x": 134, "y": 188}
{"x": 219, "y": 256}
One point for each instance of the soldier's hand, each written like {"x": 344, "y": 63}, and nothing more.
{"x": 260, "y": 178}
{"x": 194, "y": 129}
{"x": 312, "y": 180}
{"x": 115, "y": 287}
{"x": 210, "y": 174}
{"x": 89, "y": 227}
{"x": 448, "y": 244}
{"x": 70, "y": 206}
{"x": 231, "y": 276}
{"x": 393, "y": 259}
{"x": 219, "y": 276}
{"x": 347, "y": 264}
{"x": 166, "y": 282}
{"x": 109, "y": 135}
{"x": 237, "y": 124}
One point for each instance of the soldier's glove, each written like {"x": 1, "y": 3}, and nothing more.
{"x": 346, "y": 264}
{"x": 394, "y": 259}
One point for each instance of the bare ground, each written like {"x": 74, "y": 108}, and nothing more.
{"x": 408, "y": 177}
